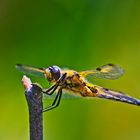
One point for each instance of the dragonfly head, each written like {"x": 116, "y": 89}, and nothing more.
{"x": 53, "y": 73}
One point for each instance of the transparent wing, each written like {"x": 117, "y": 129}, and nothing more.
{"x": 30, "y": 70}
{"x": 109, "y": 71}
{"x": 65, "y": 96}
{"x": 116, "y": 95}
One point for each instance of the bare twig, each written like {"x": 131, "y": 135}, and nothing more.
{"x": 34, "y": 99}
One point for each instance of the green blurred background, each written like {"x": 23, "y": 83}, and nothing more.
{"x": 81, "y": 34}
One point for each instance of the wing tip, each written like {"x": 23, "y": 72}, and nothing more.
{"x": 17, "y": 66}
{"x": 121, "y": 70}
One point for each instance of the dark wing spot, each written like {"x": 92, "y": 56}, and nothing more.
{"x": 110, "y": 64}
{"x": 18, "y": 65}
{"x": 106, "y": 89}
{"x": 41, "y": 68}
{"x": 98, "y": 69}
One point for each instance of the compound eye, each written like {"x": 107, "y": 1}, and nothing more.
{"x": 55, "y": 71}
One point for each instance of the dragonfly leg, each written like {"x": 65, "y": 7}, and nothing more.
{"x": 54, "y": 87}
{"x": 56, "y": 101}
{"x": 49, "y": 89}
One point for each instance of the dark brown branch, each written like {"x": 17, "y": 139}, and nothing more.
{"x": 34, "y": 99}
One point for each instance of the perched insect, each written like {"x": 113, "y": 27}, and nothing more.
{"x": 76, "y": 83}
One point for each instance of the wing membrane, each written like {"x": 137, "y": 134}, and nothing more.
{"x": 30, "y": 70}
{"x": 109, "y": 71}
{"x": 65, "y": 96}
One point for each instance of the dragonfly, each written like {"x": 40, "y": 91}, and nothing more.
{"x": 77, "y": 84}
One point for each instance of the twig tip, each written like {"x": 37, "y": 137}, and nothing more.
{"x": 26, "y": 83}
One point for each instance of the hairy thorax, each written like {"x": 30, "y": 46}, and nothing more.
{"x": 77, "y": 84}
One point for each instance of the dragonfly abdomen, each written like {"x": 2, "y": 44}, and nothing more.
{"x": 118, "y": 96}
